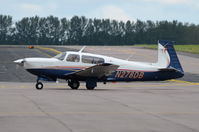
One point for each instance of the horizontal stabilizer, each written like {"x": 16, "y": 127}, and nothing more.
{"x": 168, "y": 69}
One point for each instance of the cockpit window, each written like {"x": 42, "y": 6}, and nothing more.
{"x": 73, "y": 58}
{"x": 92, "y": 59}
{"x": 61, "y": 56}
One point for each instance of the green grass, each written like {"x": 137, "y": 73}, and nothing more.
{"x": 183, "y": 48}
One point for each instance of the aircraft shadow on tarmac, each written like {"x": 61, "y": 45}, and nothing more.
{"x": 68, "y": 89}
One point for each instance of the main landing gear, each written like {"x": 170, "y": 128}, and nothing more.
{"x": 91, "y": 84}
{"x": 74, "y": 84}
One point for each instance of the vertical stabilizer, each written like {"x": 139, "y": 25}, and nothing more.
{"x": 167, "y": 57}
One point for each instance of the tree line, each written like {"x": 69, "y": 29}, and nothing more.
{"x": 84, "y": 31}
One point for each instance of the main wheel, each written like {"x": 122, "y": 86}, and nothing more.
{"x": 89, "y": 87}
{"x": 39, "y": 85}
{"x": 74, "y": 84}
{"x": 91, "y": 84}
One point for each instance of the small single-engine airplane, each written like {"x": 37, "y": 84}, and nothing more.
{"x": 92, "y": 68}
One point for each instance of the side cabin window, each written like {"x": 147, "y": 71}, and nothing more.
{"x": 92, "y": 59}
{"x": 73, "y": 58}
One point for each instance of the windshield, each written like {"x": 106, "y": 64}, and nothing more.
{"x": 60, "y": 56}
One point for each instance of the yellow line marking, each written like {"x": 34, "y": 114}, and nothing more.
{"x": 44, "y": 53}
{"x": 155, "y": 85}
{"x": 61, "y": 86}
{"x": 49, "y": 49}
{"x": 2, "y": 86}
{"x": 187, "y": 82}
{"x": 22, "y": 86}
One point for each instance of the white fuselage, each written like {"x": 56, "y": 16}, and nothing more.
{"x": 41, "y": 63}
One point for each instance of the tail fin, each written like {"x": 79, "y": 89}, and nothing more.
{"x": 167, "y": 57}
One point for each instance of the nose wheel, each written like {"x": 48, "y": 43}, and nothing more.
{"x": 39, "y": 85}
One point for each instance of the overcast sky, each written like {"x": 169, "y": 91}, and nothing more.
{"x": 181, "y": 10}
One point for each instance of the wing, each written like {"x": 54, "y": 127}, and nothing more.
{"x": 97, "y": 71}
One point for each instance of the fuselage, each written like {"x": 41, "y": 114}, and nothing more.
{"x": 62, "y": 65}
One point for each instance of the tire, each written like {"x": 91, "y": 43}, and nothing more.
{"x": 91, "y": 84}
{"x": 90, "y": 87}
{"x": 39, "y": 86}
{"x": 74, "y": 84}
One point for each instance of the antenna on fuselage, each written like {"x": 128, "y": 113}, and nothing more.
{"x": 129, "y": 57}
{"x": 82, "y": 49}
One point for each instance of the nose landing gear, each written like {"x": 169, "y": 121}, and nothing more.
{"x": 90, "y": 84}
{"x": 39, "y": 85}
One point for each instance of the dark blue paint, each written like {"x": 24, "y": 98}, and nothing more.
{"x": 55, "y": 73}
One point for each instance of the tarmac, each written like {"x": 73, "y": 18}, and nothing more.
{"x": 166, "y": 106}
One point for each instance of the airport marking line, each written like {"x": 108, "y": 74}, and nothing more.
{"x": 49, "y": 49}
{"x": 186, "y": 82}
{"x": 44, "y": 53}
{"x": 153, "y": 85}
